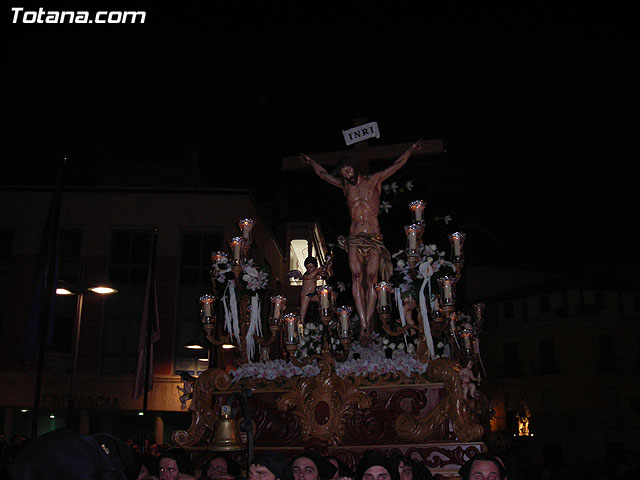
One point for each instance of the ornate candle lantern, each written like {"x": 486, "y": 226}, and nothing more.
{"x": 290, "y": 321}
{"x": 383, "y": 290}
{"x": 278, "y": 307}
{"x": 457, "y": 253}
{"x": 417, "y": 211}
{"x": 236, "y": 244}
{"x": 246, "y": 225}
{"x": 447, "y": 284}
{"x": 478, "y": 313}
{"x": 219, "y": 257}
{"x": 325, "y": 300}
{"x": 344, "y": 313}
{"x": 207, "y": 315}
{"x": 414, "y": 241}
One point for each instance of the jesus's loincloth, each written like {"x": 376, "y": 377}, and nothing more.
{"x": 365, "y": 243}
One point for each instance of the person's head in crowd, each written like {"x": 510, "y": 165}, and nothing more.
{"x": 375, "y": 466}
{"x": 409, "y": 469}
{"x": 343, "y": 470}
{"x": 483, "y": 467}
{"x": 311, "y": 466}
{"x": 65, "y": 454}
{"x": 220, "y": 467}
{"x": 269, "y": 466}
{"x": 150, "y": 466}
{"x": 174, "y": 462}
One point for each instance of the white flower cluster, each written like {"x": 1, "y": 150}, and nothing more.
{"x": 310, "y": 342}
{"x": 372, "y": 359}
{"x": 273, "y": 369}
{"x": 428, "y": 265}
{"x": 254, "y": 278}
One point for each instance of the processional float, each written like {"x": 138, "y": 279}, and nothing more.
{"x": 297, "y": 385}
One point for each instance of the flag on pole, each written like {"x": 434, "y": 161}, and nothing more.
{"x": 42, "y": 307}
{"x": 149, "y": 331}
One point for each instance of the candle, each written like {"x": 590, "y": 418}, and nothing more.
{"x": 218, "y": 257}
{"x": 246, "y": 225}
{"x": 323, "y": 292}
{"x": 382, "y": 289}
{"x": 447, "y": 283}
{"x": 457, "y": 239}
{"x": 235, "y": 244}
{"x": 290, "y": 320}
{"x": 206, "y": 301}
{"x": 417, "y": 208}
{"x": 343, "y": 314}
{"x": 278, "y": 303}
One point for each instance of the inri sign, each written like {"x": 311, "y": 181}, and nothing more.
{"x": 361, "y": 132}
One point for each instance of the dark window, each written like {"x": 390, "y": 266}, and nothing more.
{"x": 605, "y": 353}
{"x": 129, "y": 256}
{"x": 508, "y": 310}
{"x": 195, "y": 256}
{"x": 547, "y": 349}
{"x": 545, "y": 304}
{"x": 600, "y": 299}
{"x": 491, "y": 317}
{"x": 511, "y": 360}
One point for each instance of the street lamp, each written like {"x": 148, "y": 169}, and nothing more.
{"x": 101, "y": 288}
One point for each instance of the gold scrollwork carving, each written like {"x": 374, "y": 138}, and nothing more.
{"x": 323, "y": 405}
{"x": 463, "y": 412}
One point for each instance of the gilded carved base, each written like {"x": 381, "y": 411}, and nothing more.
{"x": 425, "y": 415}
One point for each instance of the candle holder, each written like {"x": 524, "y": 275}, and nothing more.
{"x": 417, "y": 211}
{"x": 344, "y": 315}
{"x": 325, "y": 300}
{"x": 383, "y": 291}
{"x": 237, "y": 255}
{"x": 207, "y": 316}
{"x": 246, "y": 226}
{"x": 478, "y": 313}
{"x": 219, "y": 257}
{"x": 290, "y": 322}
{"x": 278, "y": 307}
{"x": 457, "y": 252}
{"x": 414, "y": 242}
{"x": 465, "y": 337}
{"x": 448, "y": 297}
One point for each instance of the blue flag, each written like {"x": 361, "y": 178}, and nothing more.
{"x": 42, "y": 306}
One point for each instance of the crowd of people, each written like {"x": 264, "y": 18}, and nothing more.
{"x": 66, "y": 455}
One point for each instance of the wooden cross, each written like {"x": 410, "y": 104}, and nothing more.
{"x": 365, "y": 154}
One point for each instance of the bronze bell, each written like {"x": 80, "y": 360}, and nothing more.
{"x": 226, "y": 437}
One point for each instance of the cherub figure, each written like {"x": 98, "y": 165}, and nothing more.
{"x": 466, "y": 379}
{"x": 309, "y": 281}
{"x": 186, "y": 389}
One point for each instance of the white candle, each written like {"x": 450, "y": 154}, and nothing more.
{"x": 344, "y": 321}
{"x": 207, "y": 309}
{"x": 448, "y": 296}
{"x": 235, "y": 244}
{"x": 412, "y": 239}
{"x": 456, "y": 245}
{"x": 324, "y": 299}
{"x": 276, "y": 310}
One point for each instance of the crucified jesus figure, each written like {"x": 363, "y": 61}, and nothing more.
{"x": 365, "y": 250}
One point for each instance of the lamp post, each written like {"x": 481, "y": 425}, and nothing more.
{"x": 102, "y": 288}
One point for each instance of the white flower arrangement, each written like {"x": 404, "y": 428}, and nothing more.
{"x": 373, "y": 359}
{"x": 273, "y": 369}
{"x": 253, "y": 277}
{"x": 431, "y": 262}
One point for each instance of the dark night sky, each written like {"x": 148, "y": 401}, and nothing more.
{"x": 539, "y": 116}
